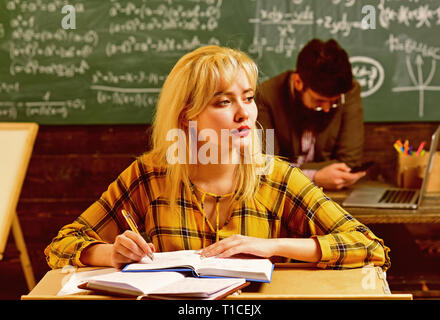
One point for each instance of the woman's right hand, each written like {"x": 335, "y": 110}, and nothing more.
{"x": 129, "y": 247}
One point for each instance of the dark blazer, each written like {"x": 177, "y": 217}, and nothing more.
{"x": 341, "y": 141}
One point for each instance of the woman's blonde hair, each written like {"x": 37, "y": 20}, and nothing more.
{"x": 188, "y": 89}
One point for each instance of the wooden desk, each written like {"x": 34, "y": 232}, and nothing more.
{"x": 287, "y": 283}
{"x": 429, "y": 211}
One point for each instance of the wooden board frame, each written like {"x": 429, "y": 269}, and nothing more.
{"x": 8, "y": 216}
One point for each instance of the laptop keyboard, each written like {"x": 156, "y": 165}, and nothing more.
{"x": 397, "y": 196}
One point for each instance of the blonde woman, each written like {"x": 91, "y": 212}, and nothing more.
{"x": 199, "y": 188}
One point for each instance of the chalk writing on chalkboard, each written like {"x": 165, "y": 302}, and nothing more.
{"x": 420, "y": 80}
{"x": 369, "y": 73}
{"x": 110, "y": 68}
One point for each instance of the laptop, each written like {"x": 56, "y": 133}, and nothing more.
{"x": 399, "y": 198}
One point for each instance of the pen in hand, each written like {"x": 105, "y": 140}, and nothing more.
{"x": 133, "y": 227}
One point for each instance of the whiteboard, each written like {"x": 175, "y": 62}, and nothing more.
{"x": 16, "y": 144}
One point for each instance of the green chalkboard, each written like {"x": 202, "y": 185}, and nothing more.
{"x": 110, "y": 68}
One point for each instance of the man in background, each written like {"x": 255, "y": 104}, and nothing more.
{"x": 316, "y": 113}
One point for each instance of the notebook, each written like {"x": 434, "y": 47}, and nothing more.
{"x": 252, "y": 269}
{"x": 400, "y": 198}
{"x": 163, "y": 285}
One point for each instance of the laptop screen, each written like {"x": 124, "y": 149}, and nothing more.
{"x": 432, "y": 151}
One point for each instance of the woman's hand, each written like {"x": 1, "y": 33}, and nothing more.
{"x": 129, "y": 247}
{"x": 303, "y": 249}
{"x": 241, "y": 244}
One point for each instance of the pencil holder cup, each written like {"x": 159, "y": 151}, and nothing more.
{"x": 411, "y": 170}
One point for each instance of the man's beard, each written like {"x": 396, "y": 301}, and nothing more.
{"x": 309, "y": 119}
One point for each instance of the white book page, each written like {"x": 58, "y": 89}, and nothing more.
{"x": 239, "y": 265}
{"x": 170, "y": 259}
{"x": 198, "y": 287}
{"x": 144, "y": 281}
{"x": 251, "y": 269}
{"x": 72, "y": 279}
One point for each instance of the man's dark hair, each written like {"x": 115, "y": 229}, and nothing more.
{"x": 324, "y": 67}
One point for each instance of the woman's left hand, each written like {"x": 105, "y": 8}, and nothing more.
{"x": 241, "y": 244}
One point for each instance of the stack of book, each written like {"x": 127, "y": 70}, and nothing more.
{"x": 182, "y": 274}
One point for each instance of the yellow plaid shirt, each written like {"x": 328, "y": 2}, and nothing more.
{"x": 287, "y": 204}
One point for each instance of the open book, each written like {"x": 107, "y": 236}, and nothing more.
{"x": 256, "y": 269}
{"x": 163, "y": 285}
